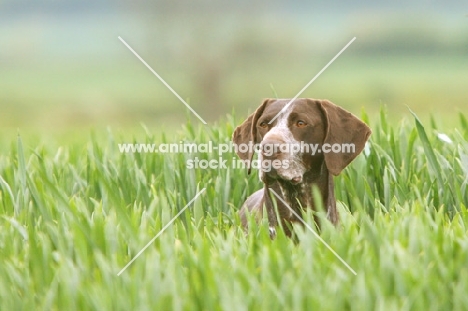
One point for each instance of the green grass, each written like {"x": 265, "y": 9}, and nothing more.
{"x": 74, "y": 213}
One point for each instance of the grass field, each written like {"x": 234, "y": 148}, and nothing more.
{"x": 73, "y": 213}
{"x": 122, "y": 92}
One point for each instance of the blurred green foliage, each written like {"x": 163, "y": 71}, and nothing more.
{"x": 66, "y": 68}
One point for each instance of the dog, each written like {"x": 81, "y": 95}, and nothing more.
{"x": 303, "y": 122}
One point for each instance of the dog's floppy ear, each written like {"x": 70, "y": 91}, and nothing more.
{"x": 342, "y": 127}
{"x": 247, "y": 132}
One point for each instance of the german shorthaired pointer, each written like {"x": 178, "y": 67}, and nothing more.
{"x": 316, "y": 123}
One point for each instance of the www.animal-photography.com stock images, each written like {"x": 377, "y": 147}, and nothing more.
{"x": 233, "y": 155}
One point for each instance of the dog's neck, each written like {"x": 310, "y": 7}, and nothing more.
{"x": 300, "y": 196}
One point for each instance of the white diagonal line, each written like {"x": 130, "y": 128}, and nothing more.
{"x": 315, "y": 233}
{"x": 313, "y": 79}
{"x": 160, "y": 232}
{"x": 162, "y": 80}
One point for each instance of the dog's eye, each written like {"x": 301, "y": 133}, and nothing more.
{"x": 263, "y": 124}
{"x": 301, "y": 123}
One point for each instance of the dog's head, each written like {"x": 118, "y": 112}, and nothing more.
{"x": 307, "y": 133}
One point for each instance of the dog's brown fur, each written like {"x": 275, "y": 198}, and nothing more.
{"x": 326, "y": 123}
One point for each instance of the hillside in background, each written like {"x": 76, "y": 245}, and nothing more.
{"x": 63, "y": 65}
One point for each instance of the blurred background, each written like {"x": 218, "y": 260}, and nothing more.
{"x": 62, "y": 65}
